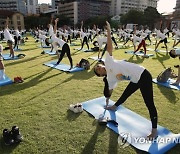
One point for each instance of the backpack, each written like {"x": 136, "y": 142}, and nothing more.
{"x": 166, "y": 74}
{"x": 84, "y": 64}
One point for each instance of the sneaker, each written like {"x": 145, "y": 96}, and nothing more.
{"x": 16, "y": 135}
{"x": 16, "y": 80}
{"x": 80, "y": 107}
{"x": 7, "y": 137}
{"x": 74, "y": 108}
{"x": 20, "y": 79}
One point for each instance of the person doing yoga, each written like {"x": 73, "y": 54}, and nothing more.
{"x": 140, "y": 78}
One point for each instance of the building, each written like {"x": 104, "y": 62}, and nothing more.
{"x": 119, "y": 7}
{"x": 31, "y": 6}
{"x": 83, "y": 9}
{"x": 14, "y": 5}
{"x": 16, "y": 19}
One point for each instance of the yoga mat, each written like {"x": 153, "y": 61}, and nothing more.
{"x": 6, "y": 57}
{"x": 160, "y": 50}
{"x": 138, "y": 53}
{"x": 17, "y": 49}
{"x": 6, "y": 81}
{"x": 136, "y": 126}
{"x": 96, "y": 58}
{"x": 49, "y": 52}
{"x": 74, "y": 44}
{"x": 86, "y": 50}
{"x": 44, "y": 46}
{"x": 167, "y": 84}
{"x": 63, "y": 67}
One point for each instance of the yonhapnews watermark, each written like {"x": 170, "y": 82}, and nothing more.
{"x": 125, "y": 139}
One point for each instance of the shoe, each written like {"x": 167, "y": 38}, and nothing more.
{"x": 16, "y": 135}
{"x": 73, "y": 108}
{"x": 16, "y": 80}
{"x": 7, "y": 137}
{"x": 43, "y": 52}
{"x": 20, "y": 79}
{"x": 176, "y": 66}
{"x": 80, "y": 107}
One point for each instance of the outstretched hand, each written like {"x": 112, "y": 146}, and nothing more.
{"x": 57, "y": 19}
{"x": 108, "y": 25}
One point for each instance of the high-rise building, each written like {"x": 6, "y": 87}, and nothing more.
{"x": 31, "y": 6}
{"x": 14, "y": 5}
{"x": 119, "y": 7}
{"x": 83, "y": 9}
{"x": 177, "y": 9}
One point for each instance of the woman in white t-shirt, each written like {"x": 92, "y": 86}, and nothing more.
{"x": 2, "y": 69}
{"x": 117, "y": 70}
{"x": 176, "y": 53}
{"x": 9, "y": 39}
{"x": 59, "y": 42}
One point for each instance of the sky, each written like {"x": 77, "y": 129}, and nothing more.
{"x": 163, "y": 5}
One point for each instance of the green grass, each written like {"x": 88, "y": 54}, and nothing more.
{"x": 39, "y": 106}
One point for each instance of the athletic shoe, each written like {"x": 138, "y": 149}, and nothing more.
{"x": 74, "y": 108}
{"x": 80, "y": 107}
{"x": 16, "y": 135}
{"x": 20, "y": 79}
{"x": 7, "y": 137}
{"x": 16, "y": 80}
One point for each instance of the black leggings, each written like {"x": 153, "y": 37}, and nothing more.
{"x": 65, "y": 49}
{"x": 145, "y": 86}
{"x": 85, "y": 40}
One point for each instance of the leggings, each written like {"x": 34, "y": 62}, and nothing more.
{"x": 85, "y": 40}
{"x": 65, "y": 49}
{"x": 145, "y": 86}
{"x": 140, "y": 45}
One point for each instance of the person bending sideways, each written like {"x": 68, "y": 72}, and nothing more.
{"x": 118, "y": 70}
{"x": 2, "y": 69}
{"x": 176, "y": 53}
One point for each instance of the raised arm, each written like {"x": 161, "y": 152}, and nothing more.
{"x": 55, "y": 25}
{"x": 81, "y": 25}
{"x": 109, "y": 41}
{"x": 7, "y": 21}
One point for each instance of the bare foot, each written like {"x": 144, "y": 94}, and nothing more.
{"x": 113, "y": 108}
{"x": 153, "y": 134}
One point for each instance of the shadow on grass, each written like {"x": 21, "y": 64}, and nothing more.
{"x": 90, "y": 146}
{"x": 71, "y": 116}
{"x": 169, "y": 94}
{"x": 137, "y": 61}
{"x": 161, "y": 57}
{"x": 30, "y": 49}
{"x": 33, "y": 82}
{"x": 7, "y": 149}
{"x": 23, "y": 60}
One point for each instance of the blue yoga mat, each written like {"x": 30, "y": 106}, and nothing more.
{"x": 167, "y": 84}
{"x": 44, "y": 46}
{"x": 17, "y": 49}
{"x": 138, "y": 53}
{"x": 6, "y": 57}
{"x": 133, "y": 124}
{"x": 50, "y": 53}
{"x": 6, "y": 81}
{"x": 96, "y": 58}
{"x": 63, "y": 67}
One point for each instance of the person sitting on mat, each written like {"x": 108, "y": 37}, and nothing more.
{"x": 2, "y": 69}
{"x": 59, "y": 42}
{"x": 118, "y": 70}
{"x": 9, "y": 39}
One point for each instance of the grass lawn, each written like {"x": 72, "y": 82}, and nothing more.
{"x": 39, "y": 106}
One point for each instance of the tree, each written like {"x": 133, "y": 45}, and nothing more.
{"x": 134, "y": 17}
{"x": 151, "y": 16}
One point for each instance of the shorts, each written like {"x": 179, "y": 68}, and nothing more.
{"x": 164, "y": 40}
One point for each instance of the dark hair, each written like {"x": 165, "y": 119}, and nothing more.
{"x": 172, "y": 55}
{"x": 47, "y": 42}
{"x": 96, "y": 72}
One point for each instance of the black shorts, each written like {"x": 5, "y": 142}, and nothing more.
{"x": 165, "y": 40}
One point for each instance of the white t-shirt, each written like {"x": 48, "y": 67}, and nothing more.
{"x": 118, "y": 70}
{"x": 7, "y": 35}
{"x": 101, "y": 40}
{"x": 137, "y": 39}
{"x": 56, "y": 41}
{"x": 177, "y": 51}
{"x": 51, "y": 31}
